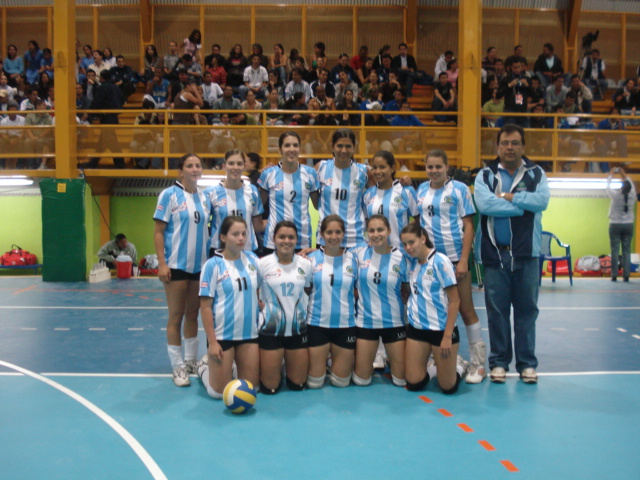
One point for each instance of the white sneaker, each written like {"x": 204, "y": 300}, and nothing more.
{"x": 462, "y": 366}
{"x": 498, "y": 375}
{"x": 191, "y": 366}
{"x": 529, "y": 375}
{"x": 181, "y": 377}
{"x": 380, "y": 361}
{"x": 478, "y": 354}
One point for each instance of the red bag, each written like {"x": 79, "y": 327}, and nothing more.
{"x": 17, "y": 256}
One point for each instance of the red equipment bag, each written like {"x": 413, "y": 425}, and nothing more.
{"x": 17, "y": 256}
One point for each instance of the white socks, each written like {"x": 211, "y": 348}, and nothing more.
{"x": 474, "y": 333}
{"x": 190, "y": 348}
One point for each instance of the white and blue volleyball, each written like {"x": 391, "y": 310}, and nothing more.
{"x": 239, "y": 396}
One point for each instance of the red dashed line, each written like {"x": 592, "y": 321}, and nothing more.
{"x": 509, "y": 466}
{"x": 425, "y": 399}
{"x": 446, "y": 413}
{"x": 159, "y": 299}
{"x": 487, "y": 445}
{"x": 128, "y": 294}
{"x": 145, "y": 298}
{"x": 465, "y": 428}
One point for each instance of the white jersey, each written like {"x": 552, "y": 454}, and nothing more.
{"x": 341, "y": 193}
{"x": 289, "y": 200}
{"x": 233, "y": 285}
{"x": 380, "y": 279}
{"x": 244, "y": 202}
{"x": 332, "y": 302}
{"x": 429, "y": 303}
{"x": 282, "y": 291}
{"x": 186, "y": 235}
{"x": 397, "y": 203}
{"x": 441, "y": 214}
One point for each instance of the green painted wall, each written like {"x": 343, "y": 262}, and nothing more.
{"x": 133, "y": 216}
{"x": 21, "y": 224}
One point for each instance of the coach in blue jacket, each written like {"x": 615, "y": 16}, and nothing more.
{"x": 511, "y": 193}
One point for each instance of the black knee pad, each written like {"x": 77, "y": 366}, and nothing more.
{"x": 268, "y": 391}
{"x": 453, "y": 389}
{"x": 294, "y": 386}
{"x": 416, "y": 387}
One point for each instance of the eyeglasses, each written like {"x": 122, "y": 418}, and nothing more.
{"x": 514, "y": 143}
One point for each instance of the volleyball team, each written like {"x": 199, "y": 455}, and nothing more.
{"x": 389, "y": 275}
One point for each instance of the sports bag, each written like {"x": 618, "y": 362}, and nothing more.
{"x": 589, "y": 263}
{"x": 17, "y": 256}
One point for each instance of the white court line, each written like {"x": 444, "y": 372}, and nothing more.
{"x": 135, "y": 329}
{"x": 61, "y": 329}
{"x": 558, "y": 329}
{"x": 636, "y": 336}
{"x": 592, "y": 329}
{"x": 29, "y": 329}
{"x": 139, "y": 450}
{"x": 621, "y": 330}
{"x": 97, "y": 329}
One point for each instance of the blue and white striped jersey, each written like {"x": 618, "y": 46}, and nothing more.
{"x": 441, "y": 214}
{"x": 341, "y": 193}
{"x": 282, "y": 291}
{"x": 289, "y": 200}
{"x": 380, "y": 278}
{"x": 233, "y": 285}
{"x": 332, "y": 301}
{"x": 397, "y": 203}
{"x": 428, "y": 303}
{"x": 244, "y": 202}
{"x": 186, "y": 235}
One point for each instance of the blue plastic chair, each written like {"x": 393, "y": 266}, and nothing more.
{"x": 545, "y": 255}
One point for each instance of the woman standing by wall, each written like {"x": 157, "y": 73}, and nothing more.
{"x": 621, "y": 218}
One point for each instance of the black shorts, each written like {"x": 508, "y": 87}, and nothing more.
{"x": 182, "y": 275}
{"x": 228, "y": 344}
{"x": 434, "y": 337}
{"x": 276, "y": 342}
{"x": 342, "y": 337}
{"x": 388, "y": 335}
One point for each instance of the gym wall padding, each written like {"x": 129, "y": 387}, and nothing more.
{"x": 63, "y": 230}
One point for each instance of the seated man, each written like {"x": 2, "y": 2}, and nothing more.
{"x": 555, "y": 94}
{"x": 593, "y": 68}
{"x": 548, "y": 66}
{"x": 441, "y": 64}
{"x": 344, "y": 85}
{"x": 255, "y": 78}
{"x": 343, "y": 65}
{"x": 583, "y": 94}
{"x": 407, "y": 68}
{"x": 120, "y": 246}
{"x": 297, "y": 85}
{"x": 158, "y": 89}
{"x": 323, "y": 80}
{"x": 444, "y": 98}
{"x": 320, "y": 100}
{"x": 124, "y": 77}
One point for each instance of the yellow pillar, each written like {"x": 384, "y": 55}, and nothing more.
{"x": 411, "y": 27}
{"x": 64, "y": 42}
{"x": 470, "y": 59}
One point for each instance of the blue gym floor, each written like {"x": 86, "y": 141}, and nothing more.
{"x": 85, "y": 393}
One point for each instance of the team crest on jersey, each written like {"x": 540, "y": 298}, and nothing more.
{"x": 251, "y": 268}
{"x": 429, "y": 272}
{"x": 357, "y": 183}
{"x": 179, "y": 208}
{"x": 349, "y": 271}
{"x": 307, "y": 185}
{"x": 397, "y": 200}
{"x": 301, "y": 272}
{"x": 252, "y": 202}
{"x": 447, "y": 199}
{"x": 521, "y": 187}
{"x": 275, "y": 274}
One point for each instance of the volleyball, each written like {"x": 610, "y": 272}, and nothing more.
{"x": 239, "y": 396}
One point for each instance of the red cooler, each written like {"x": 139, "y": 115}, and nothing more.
{"x": 125, "y": 265}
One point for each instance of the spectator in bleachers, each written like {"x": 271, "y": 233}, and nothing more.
{"x": 295, "y": 56}
{"x": 342, "y": 66}
{"x": 44, "y": 83}
{"x": 390, "y": 87}
{"x": 406, "y": 120}
{"x": 188, "y": 99}
{"x": 321, "y": 99}
{"x": 499, "y": 70}
{"x": 313, "y": 75}
{"x": 593, "y": 68}
{"x": 515, "y": 90}
{"x": 584, "y": 97}
{"x": 323, "y": 80}
{"x": 218, "y": 73}
{"x": 215, "y": 50}
{"x": 21, "y": 87}
{"x": 489, "y": 62}
{"x": 376, "y": 119}
{"x": 495, "y": 105}
{"x": 11, "y": 141}
{"x": 626, "y": 97}
{"x": 84, "y": 62}
{"x": 4, "y": 103}
{"x": 210, "y": 91}
{"x": 318, "y": 51}
{"x": 444, "y": 98}
{"x": 13, "y": 64}
{"x": 537, "y": 94}
{"x": 377, "y": 61}
{"x": 609, "y": 142}
{"x": 194, "y": 69}
{"x": 296, "y": 63}
{"x": 171, "y": 60}
{"x": 29, "y": 103}
{"x": 393, "y": 105}
{"x": 98, "y": 64}
{"x": 256, "y": 49}
{"x": 123, "y": 77}
{"x": 38, "y": 141}
{"x": 4, "y": 86}
{"x": 275, "y": 83}
{"x": 50, "y": 100}
{"x": 407, "y": 68}
{"x": 32, "y": 58}
{"x": 158, "y": 89}
{"x": 192, "y": 45}
{"x": 274, "y": 102}
{"x": 453, "y": 72}
{"x": 151, "y": 61}
{"x": 82, "y": 103}
{"x": 346, "y": 84}
{"x": 108, "y": 58}
{"x": 486, "y": 91}
{"x": 296, "y": 102}
{"x": 441, "y": 63}
{"x": 371, "y": 82}
{"x": 547, "y": 66}
{"x": 555, "y": 93}
{"x": 363, "y": 72}
{"x": 90, "y": 84}
{"x": 348, "y": 102}
{"x": 373, "y": 99}
{"x": 235, "y": 65}
{"x": 250, "y": 103}
{"x": 385, "y": 69}
{"x": 226, "y": 102}
{"x": 256, "y": 79}
{"x": 570, "y": 104}
{"x": 297, "y": 85}
{"x": 46, "y": 64}
{"x": 278, "y": 60}
{"x": 357, "y": 61}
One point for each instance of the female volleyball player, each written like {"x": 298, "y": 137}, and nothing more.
{"x": 433, "y": 308}
{"x": 343, "y": 182}
{"x": 283, "y": 321}
{"x": 233, "y": 196}
{"x": 382, "y": 276}
{"x": 229, "y": 307}
{"x": 446, "y": 213}
{"x": 331, "y": 317}
{"x": 180, "y": 240}
{"x": 288, "y": 187}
